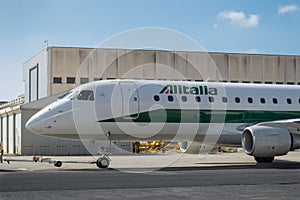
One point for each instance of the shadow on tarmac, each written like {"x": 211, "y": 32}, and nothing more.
{"x": 277, "y": 164}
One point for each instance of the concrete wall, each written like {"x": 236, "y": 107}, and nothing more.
{"x": 36, "y": 76}
{"x": 4, "y": 134}
{"x": 149, "y": 64}
{"x": 95, "y": 64}
{"x": 17, "y": 127}
{"x": 10, "y": 132}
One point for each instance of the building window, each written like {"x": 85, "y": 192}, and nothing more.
{"x": 57, "y": 80}
{"x": 170, "y": 98}
{"x": 275, "y": 101}
{"x": 34, "y": 83}
{"x": 197, "y": 98}
{"x": 262, "y": 100}
{"x": 237, "y": 99}
{"x": 71, "y": 80}
{"x": 84, "y": 80}
{"x": 250, "y": 100}
{"x": 184, "y": 98}
{"x": 97, "y": 79}
{"x": 289, "y": 101}
{"x": 224, "y": 99}
{"x": 156, "y": 98}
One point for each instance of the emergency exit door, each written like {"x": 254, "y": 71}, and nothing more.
{"x": 130, "y": 100}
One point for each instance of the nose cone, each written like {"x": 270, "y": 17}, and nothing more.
{"x": 53, "y": 120}
{"x": 39, "y": 121}
{"x": 33, "y": 125}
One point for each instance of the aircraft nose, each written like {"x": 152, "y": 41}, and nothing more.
{"x": 33, "y": 125}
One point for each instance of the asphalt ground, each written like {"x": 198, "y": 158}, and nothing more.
{"x": 218, "y": 176}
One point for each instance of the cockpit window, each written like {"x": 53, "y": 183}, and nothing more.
{"x": 86, "y": 95}
{"x": 69, "y": 95}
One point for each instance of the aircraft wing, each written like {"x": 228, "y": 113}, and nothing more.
{"x": 292, "y": 125}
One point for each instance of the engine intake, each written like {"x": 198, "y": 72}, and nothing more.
{"x": 266, "y": 141}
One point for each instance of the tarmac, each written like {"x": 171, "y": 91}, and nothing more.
{"x": 139, "y": 162}
{"x": 169, "y": 176}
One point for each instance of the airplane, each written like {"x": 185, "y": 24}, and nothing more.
{"x": 263, "y": 119}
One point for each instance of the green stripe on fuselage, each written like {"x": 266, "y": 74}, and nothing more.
{"x": 206, "y": 116}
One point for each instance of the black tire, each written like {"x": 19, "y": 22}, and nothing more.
{"x": 264, "y": 159}
{"x": 102, "y": 162}
{"x": 58, "y": 164}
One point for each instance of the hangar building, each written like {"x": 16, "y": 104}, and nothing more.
{"x": 55, "y": 70}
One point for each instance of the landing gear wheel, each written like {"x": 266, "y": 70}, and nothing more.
{"x": 264, "y": 159}
{"x": 58, "y": 164}
{"x": 102, "y": 162}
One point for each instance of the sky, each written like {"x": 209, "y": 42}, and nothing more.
{"x": 247, "y": 26}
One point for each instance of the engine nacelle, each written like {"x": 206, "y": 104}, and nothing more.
{"x": 265, "y": 141}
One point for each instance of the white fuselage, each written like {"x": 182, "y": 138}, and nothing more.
{"x": 215, "y": 113}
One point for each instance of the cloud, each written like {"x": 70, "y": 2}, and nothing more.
{"x": 287, "y": 9}
{"x": 240, "y": 18}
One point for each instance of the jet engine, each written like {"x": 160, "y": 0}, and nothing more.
{"x": 265, "y": 142}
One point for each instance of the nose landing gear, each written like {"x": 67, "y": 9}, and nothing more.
{"x": 103, "y": 161}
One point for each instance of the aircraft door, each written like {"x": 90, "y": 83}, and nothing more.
{"x": 130, "y": 100}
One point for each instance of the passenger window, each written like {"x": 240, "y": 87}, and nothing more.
{"x": 170, "y": 98}
{"x": 86, "y": 95}
{"x": 289, "y": 101}
{"x": 224, "y": 99}
{"x": 211, "y": 99}
{"x": 262, "y": 100}
{"x": 156, "y": 98}
{"x": 250, "y": 100}
{"x": 237, "y": 99}
{"x": 198, "y": 99}
{"x": 184, "y": 98}
{"x": 275, "y": 101}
